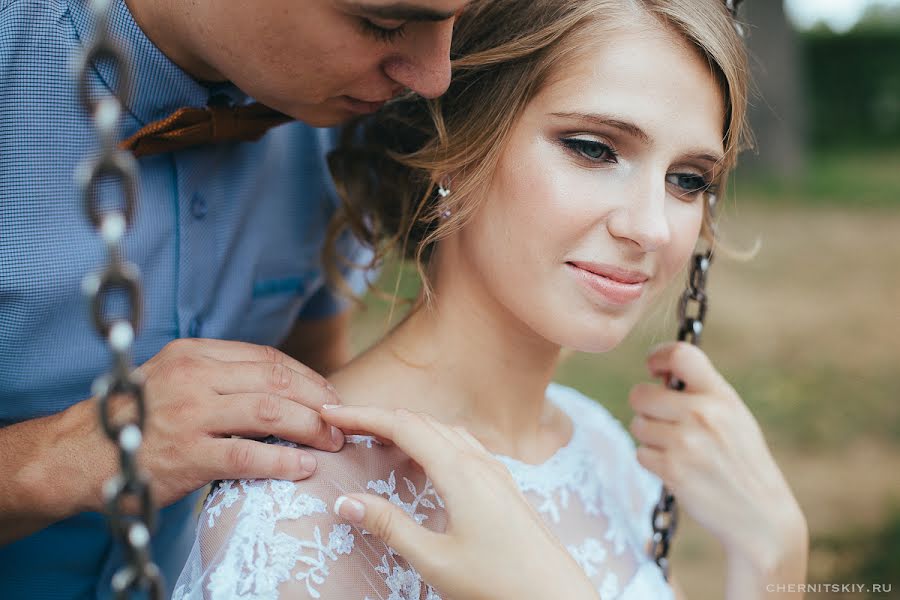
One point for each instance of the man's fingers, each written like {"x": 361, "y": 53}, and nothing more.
{"x": 390, "y": 523}
{"x": 255, "y": 414}
{"x": 277, "y": 378}
{"x": 234, "y": 458}
{"x": 231, "y": 351}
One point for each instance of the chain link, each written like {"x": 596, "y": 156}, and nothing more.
{"x": 120, "y": 387}
{"x": 691, "y": 313}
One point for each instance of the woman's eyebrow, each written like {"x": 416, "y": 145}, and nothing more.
{"x": 400, "y": 11}
{"x": 634, "y": 131}
{"x": 609, "y": 121}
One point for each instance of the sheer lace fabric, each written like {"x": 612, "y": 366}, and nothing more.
{"x": 268, "y": 539}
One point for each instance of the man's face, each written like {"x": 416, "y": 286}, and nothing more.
{"x": 324, "y": 61}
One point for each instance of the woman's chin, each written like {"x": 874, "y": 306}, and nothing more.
{"x": 594, "y": 335}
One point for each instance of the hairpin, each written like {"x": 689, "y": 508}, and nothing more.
{"x": 732, "y": 6}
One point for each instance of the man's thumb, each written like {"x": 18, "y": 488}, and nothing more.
{"x": 386, "y": 521}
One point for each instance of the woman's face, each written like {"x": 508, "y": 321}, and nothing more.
{"x": 604, "y": 170}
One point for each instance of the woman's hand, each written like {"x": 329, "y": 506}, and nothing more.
{"x": 708, "y": 449}
{"x": 495, "y": 545}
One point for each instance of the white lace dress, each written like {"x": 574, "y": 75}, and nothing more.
{"x": 267, "y": 539}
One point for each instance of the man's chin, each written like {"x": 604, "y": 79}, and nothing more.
{"x": 322, "y": 115}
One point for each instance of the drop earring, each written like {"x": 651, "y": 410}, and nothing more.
{"x": 443, "y": 193}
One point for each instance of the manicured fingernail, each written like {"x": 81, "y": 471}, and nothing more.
{"x": 308, "y": 463}
{"x": 350, "y": 509}
{"x": 330, "y": 406}
{"x": 337, "y": 436}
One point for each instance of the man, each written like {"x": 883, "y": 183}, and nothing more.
{"x": 227, "y": 239}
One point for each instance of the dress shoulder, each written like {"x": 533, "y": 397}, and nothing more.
{"x": 269, "y": 539}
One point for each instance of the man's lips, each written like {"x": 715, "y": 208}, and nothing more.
{"x": 362, "y": 106}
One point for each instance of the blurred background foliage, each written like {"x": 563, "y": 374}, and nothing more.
{"x": 808, "y": 331}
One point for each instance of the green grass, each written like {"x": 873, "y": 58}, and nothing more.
{"x": 851, "y": 178}
{"x": 865, "y": 556}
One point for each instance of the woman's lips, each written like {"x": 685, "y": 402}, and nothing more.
{"x": 615, "y": 292}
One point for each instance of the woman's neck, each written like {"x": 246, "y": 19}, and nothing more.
{"x": 466, "y": 361}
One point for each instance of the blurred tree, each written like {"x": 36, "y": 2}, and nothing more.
{"x": 880, "y": 16}
{"x": 777, "y": 109}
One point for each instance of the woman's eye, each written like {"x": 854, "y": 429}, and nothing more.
{"x": 690, "y": 184}
{"x": 591, "y": 149}
{"x": 384, "y": 32}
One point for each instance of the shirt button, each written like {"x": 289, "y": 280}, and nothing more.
{"x": 198, "y": 206}
{"x": 194, "y": 327}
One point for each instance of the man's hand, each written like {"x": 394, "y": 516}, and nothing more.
{"x": 199, "y": 393}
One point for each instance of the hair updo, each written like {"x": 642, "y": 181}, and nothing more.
{"x": 388, "y": 165}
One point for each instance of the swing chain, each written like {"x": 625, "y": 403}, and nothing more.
{"x": 120, "y": 386}
{"x": 691, "y": 313}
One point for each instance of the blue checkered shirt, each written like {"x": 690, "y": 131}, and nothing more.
{"x": 227, "y": 239}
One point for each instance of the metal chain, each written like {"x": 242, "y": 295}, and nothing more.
{"x": 121, "y": 386}
{"x": 691, "y": 313}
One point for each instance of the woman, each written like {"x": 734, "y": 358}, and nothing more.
{"x": 556, "y": 190}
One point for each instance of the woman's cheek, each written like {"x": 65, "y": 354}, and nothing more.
{"x": 685, "y": 226}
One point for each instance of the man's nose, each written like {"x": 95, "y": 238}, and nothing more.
{"x": 424, "y": 64}
{"x": 642, "y": 217}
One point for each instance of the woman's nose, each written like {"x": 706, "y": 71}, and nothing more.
{"x": 642, "y": 218}
{"x": 424, "y": 63}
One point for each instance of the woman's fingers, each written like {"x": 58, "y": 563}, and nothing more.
{"x": 470, "y": 439}
{"x": 450, "y": 433}
{"x": 685, "y": 362}
{"x": 409, "y": 431}
{"x": 653, "y": 432}
{"x": 654, "y": 460}
{"x": 658, "y": 402}
{"x": 391, "y": 524}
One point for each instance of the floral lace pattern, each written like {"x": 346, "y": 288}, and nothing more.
{"x": 268, "y": 539}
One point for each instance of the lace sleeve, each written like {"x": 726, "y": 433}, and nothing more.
{"x": 648, "y": 487}
{"x": 268, "y": 539}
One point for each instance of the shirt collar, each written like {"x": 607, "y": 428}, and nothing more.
{"x": 158, "y": 86}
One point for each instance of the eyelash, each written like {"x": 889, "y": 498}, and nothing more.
{"x": 579, "y": 145}
{"x": 380, "y": 33}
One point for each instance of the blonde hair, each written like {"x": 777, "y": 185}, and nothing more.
{"x": 503, "y": 53}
